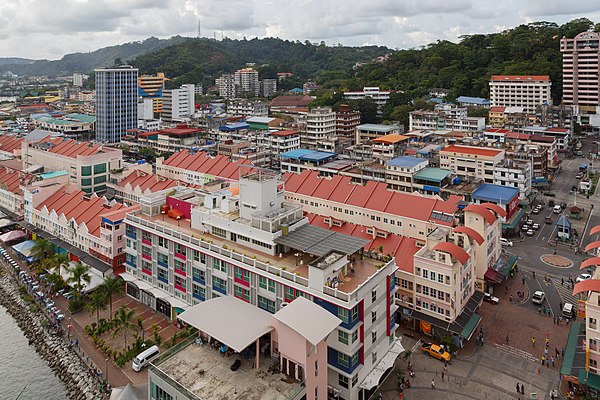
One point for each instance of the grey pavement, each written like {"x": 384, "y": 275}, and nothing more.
{"x": 491, "y": 373}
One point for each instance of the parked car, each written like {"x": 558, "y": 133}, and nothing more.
{"x": 550, "y": 203}
{"x": 583, "y": 277}
{"x": 506, "y": 242}
{"x": 490, "y": 299}
{"x": 549, "y": 194}
{"x": 538, "y": 297}
{"x": 535, "y": 226}
{"x": 535, "y": 211}
{"x": 530, "y": 232}
{"x": 436, "y": 351}
{"x": 548, "y": 219}
{"x": 557, "y": 209}
{"x": 525, "y": 228}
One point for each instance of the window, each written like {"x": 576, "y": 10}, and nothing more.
{"x": 179, "y": 281}
{"x": 354, "y": 336}
{"x": 374, "y": 357}
{"x": 373, "y": 337}
{"x": 86, "y": 171}
{"x": 432, "y": 276}
{"x": 219, "y": 232}
{"x": 343, "y": 381}
{"x": 355, "y": 313}
{"x": 242, "y": 293}
{"x": 289, "y": 294}
{"x": 162, "y": 242}
{"x": 180, "y": 266}
{"x": 159, "y": 394}
{"x": 199, "y": 292}
{"x": 219, "y": 265}
{"x": 163, "y": 275}
{"x": 162, "y": 259}
{"x": 425, "y": 274}
{"x": 373, "y": 316}
{"x": 343, "y": 360}
{"x": 99, "y": 169}
{"x": 86, "y": 182}
{"x": 267, "y": 284}
{"x": 342, "y": 336}
{"x": 220, "y": 285}
{"x": 242, "y": 274}
{"x": 100, "y": 179}
{"x": 440, "y": 278}
{"x": 146, "y": 251}
{"x": 198, "y": 275}
{"x": 266, "y": 304}
{"x": 355, "y": 379}
{"x": 343, "y": 314}
{"x": 179, "y": 249}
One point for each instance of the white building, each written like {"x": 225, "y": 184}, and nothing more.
{"x": 268, "y": 87}
{"x": 516, "y": 174}
{"x": 247, "y": 81}
{"x": 380, "y": 97}
{"x": 78, "y": 79}
{"x": 178, "y": 104}
{"x": 527, "y": 91}
{"x": 320, "y": 129}
{"x": 226, "y": 84}
{"x": 247, "y": 108}
{"x": 439, "y": 120}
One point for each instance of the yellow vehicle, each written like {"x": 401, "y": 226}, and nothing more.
{"x": 436, "y": 351}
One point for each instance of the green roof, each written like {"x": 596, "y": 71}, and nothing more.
{"x": 81, "y": 117}
{"x": 432, "y": 174}
{"x": 589, "y": 379}
{"x": 570, "y": 348}
{"x": 468, "y": 330}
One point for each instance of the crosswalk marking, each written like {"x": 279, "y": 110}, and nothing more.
{"x": 517, "y": 352}
{"x": 565, "y": 291}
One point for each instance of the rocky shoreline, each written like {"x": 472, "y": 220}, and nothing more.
{"x": 64, "y": 362}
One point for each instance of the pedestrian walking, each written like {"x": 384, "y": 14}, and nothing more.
{"x": 533, "y": 342}
{"x": 442, "y": 375}
{"x": 547, "y": 363}
{"x": 518, "y": 388}
{"x": 482, "y": 341}
{"x": 562, "y": 281}
{"x": 507, "y": 339}
{"x": 552, "y": 359}
{"x": 523, "y": 281}
{"x": 522, "y": 389}
{"x": 557, "y": 353}
{"x": 543, "y": 360}
{"x": 432, "y": 384}
{"x": 533, "y": 273}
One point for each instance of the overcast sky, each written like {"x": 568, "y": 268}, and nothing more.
{"x": 52, "y": 28}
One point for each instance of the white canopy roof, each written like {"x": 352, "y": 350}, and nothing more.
{"x": 229, "y": 320}
{"x": 137, "y": 282}
{"x": 384, "y": 364}
{"x": 314, "y": 323}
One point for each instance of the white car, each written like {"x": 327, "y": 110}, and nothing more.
{"x": 530, "y": 232}
{"x": 506, "y": 242}
{"x": 535, "y": 226}
{"x": 583, "y": 277}
{"x": 538, "y": 297}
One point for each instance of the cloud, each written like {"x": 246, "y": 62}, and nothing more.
{"x": 53, "y": 28}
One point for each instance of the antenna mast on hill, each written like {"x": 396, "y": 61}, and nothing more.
{"x": 199, "y": 29}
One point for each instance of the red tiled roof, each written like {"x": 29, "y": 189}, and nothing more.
{"x": 11, "y": 180}
{"x": 73, "y": 204}
{"x": 470, "y": 232}
{"x": 373, "y": 196}
{"x": 402, "y": 248}
{"x": 591, "y": 285}
{"x": 71, "y": 148}
{"x": 219, "y": 166}
{"x": 517, "y": 78}
{"x": 454, "y": 250}
{"x": 291, "y": 101}
{"x": 590, "y": 262}
{"x": 147, "y": 182}
{"x": 481, "y": 210}
{"x": 495, "y": 208}
{"x": 10, "y": 143}
{"x": 542, "y": 138}
{"x": 479, "y": 151}
{"x": 497, "y": 109}
{"x": 557, "y": 130}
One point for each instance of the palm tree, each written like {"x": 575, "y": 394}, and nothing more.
{"x": 42, "y": 249}
{"x": 112, "y": 285}
{"x": 97, "y": 302}
{"x": 79, "y": 274}
{"x": 124, "y": 322}
{"x": 140, "y": 326}
{"x": 55, "y": 280}
{"x": 60, "y": 260}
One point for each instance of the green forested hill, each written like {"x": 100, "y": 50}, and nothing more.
{"x": 202, "y": 60}
{"x": 466, "y": 67}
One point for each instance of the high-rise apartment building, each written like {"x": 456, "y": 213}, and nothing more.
{"x": 380, "y": 97}
{"x": 78, "y": 79}
{"x": 226, "y": 84}
{"x": 527, "y": 91}
{"x": 268, "y": 87}
{"x": 152, "y": 86}
{"x": 116, "y": 102}
{"x": 247, "y": 81}
{"x": 178, "y": 104}
{"x": 347, "y": 120}
{"x": 320, "y": 129}
{"x": 581, "y": 66}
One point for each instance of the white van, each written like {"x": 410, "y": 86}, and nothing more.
{"x": 557, "y": 209}
{"x": 568, "y": 310}
{"x": 145, "y": 358}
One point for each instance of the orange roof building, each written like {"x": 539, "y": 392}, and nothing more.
{"x": 199, "y": 168}
{"x": 87, "y": 222}
{"x": 11, "y": 190}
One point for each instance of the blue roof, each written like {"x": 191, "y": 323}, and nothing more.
{"x": 307, "y": 155}
{"x": 495, "y": 193}
{"x": 234, "y": 126}
{"x": 405, "y": 161}
{"x": 473, "y": 100}
{"x": 436, "y": 100}
{"x": 563, "y": 221}
{"x": 296, "y": 90}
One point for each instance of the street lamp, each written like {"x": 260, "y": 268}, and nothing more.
{"x": 106, "y": 368}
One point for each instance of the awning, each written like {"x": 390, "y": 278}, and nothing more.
{"x": 494, "y": 276}
{"x": 589, "y": 379}
{"x": 159, "y": 294}
{"x": 127, "y": 277}
{"x": 177, "y": 303}
{"x": 12, "y": 235}
{"x": 231, "y": 321}
{"x": 384, "y": 364}
{"x": 468, "y": 330}
{"x": 137, "y": 282}
{"x": 514, "y": 220}
{"x": 574, "y": 358}
{"x": 318, "y": 241}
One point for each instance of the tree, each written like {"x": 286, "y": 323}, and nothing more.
{"x": 140, "y": 326}
{"x": 80, "y": 274}
{"x": 42, "y": 249}
{"x": 55, "y": 280}
{"x": 124, "y": 322}
{"x": 96, "y": 302}
{"x": 367, "y": 108}
{"x": 112, "y": 285}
